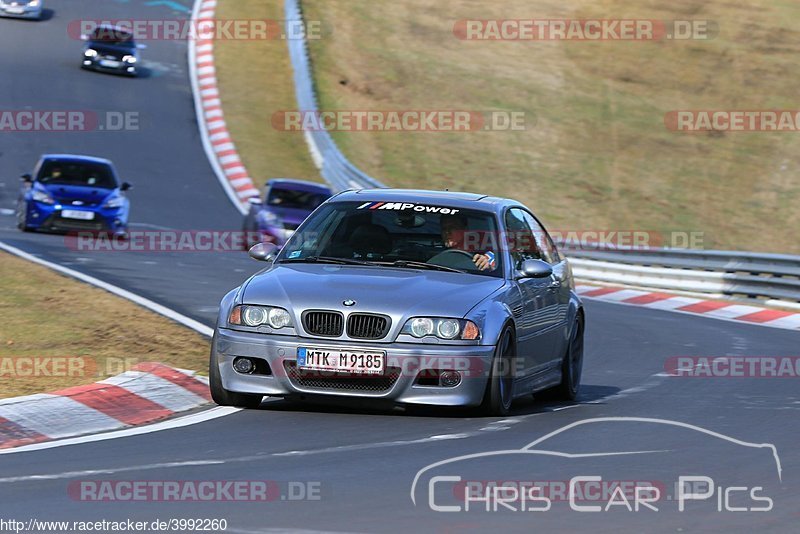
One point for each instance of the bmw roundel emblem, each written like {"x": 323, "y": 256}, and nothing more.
{"x": 349, "y": 302}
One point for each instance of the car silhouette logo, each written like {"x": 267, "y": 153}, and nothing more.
{"x": 349, "y": 302}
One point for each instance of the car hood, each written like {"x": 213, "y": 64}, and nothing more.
{"x": 67, "y": 194}
{"x": 400, "y": 293}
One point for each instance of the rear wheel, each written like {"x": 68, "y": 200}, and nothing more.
{"x": 499, "y": 394}
{"x": 222, "y": 396}
{"x": 571, "y": 367}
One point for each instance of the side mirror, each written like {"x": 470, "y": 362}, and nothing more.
{"x": 264, "y": 252}
{"x": 27, "y": 178}
{"x": 125, "y": 186}
{"x": 535, "y": 269}
{"x": 256, "y": 201}
{"x": 141, "y": 46}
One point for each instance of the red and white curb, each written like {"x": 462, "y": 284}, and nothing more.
{"x": 147, "y": 393}
{"x": 717, "y": 309}
{"x": 217, "y": 142}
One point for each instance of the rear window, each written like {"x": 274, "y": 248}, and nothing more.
{"x": 77, "y": 173}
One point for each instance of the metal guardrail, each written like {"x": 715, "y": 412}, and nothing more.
{"x": 726, "y": 273}
{"x": 735, "y": 274}
{"x": 335, "y": 168}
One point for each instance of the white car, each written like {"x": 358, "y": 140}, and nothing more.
{"x": 23, "y": 9}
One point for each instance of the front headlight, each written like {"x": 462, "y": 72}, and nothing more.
{"x": 90, "y": 52}
{"x": 114, "y": 203}
{"x": 260, "y": 315}
{"x": 129, "y": 59}
{"x": 34, "y": 3}
{"x": 443, "y": 328}
{"x": 44, "y": 198}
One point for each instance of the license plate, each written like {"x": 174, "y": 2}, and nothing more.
{"x": 341, "y": 360}
{"x": 15, "y": 10}
{"x": 77, "y": 214}
{"x": 109, "y": 63}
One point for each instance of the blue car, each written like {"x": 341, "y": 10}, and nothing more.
{"x": 73, "y": 193}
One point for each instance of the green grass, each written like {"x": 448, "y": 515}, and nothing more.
{"x": 47, "y": 315}
{"x": 255, "y": 81}
{"x": 598, "y": 155}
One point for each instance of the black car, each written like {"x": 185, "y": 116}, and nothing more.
{"x": 111, "y": 49}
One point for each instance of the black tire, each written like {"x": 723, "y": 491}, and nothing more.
{"x": 222, "y": 396}
{"x": 571, "y": 367}
{"x": 499, "y": 395}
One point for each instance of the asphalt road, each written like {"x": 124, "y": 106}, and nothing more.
{"x": 357, "y": 466}
{"x": 174, "y": 186}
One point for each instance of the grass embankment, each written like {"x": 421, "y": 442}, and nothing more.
{"x": 599, "y": 155}
{"x": 89, "y": 332}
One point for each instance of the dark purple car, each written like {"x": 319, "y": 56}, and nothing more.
{"x": 284, "y": 205}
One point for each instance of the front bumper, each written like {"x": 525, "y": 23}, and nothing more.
{"x": 94, "y": 63}
{"x": 48, "y": 217}
{"x": 21, "y": 12}
{"x": 404, "y": 362}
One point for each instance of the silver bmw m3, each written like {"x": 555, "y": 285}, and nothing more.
{"x": 404, "y": 297}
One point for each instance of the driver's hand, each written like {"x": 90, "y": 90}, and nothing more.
{"x": 481, "y": 261}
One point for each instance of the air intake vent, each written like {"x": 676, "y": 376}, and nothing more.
{"x": 367, "y": 326}
{"x": 323, "y": 323}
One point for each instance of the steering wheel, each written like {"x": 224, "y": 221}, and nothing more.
{"x": 458, "y": 259}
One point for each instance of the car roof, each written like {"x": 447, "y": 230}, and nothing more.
{"x": 76, "y": 157}
{"x": 301, "y": 185}
{"x": 422, "y": 196}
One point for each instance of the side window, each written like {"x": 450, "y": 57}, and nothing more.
{"x": 520, "y": 238}
{"x": 543, "y": 241}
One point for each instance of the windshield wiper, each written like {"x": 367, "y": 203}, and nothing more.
{"x": 326, "y": 259}
{"x": 423, "y": 265}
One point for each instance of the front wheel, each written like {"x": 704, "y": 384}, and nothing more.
{"x": 222, "y": 396}
{"x": 499, "y": 394}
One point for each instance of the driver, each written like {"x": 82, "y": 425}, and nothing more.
{"x": 454, "y": 229}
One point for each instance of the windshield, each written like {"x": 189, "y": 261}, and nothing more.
{"x": 77, "y": 173}
{"x": 290, "y": 198}
{"x": 112, "y": 36}
{"x": 399, "y": 234}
